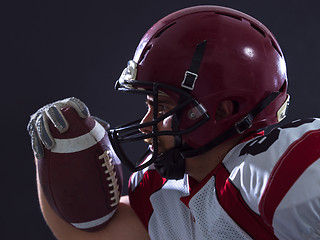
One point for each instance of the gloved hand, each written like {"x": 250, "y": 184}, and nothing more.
{"x": 38, "y": 126}
{"x": 81, "y": 167}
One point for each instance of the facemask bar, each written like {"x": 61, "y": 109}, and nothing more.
{"x": 130, "y": 132}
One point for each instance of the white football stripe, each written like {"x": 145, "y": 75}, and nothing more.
{"x": 93, "y": 223}
{"x": 80, "y": 143}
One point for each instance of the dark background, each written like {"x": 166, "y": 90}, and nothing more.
{"x": 54, "y": 49}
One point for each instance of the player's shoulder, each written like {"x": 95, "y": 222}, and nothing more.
{"x": 278, "y": 140}
{"x": 256, "y": 164}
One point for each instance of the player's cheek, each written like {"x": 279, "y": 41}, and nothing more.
{"x": 167, "y": 123}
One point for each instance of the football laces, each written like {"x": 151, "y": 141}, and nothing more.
{"x": 111, "y": 177}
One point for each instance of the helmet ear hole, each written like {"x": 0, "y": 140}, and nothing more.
{"x": 224, "y": 110}
{"x": 236, "y": 107}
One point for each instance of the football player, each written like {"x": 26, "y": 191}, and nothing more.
{"x": 214, "y": 78}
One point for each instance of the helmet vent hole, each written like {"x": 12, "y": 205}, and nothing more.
{"x": 163, "y": 30}
{"x": 258, "y": 29}
{"x": 145, "y": 53}
{"x": 276, "y": 47}
{"x": 283, "y": 87}
{"x": 229, "y": 15}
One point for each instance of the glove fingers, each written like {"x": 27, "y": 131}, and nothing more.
{"x": 38, "y": 126}
{"x": 55, "y": 115}
{"x": 104, "y": 124}
{"x": 35, "y": 140}
{"x": 78, "y": 105}
{"x": 44, "y": 131}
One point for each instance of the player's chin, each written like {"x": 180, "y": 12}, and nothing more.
{"x": 160, "y": 149}
{"x": 163, "y": 149}
{"x": 151, "y": 148}
{"x": 161, "y": 146}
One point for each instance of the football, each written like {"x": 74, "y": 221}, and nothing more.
{"x": 81, "y": 175}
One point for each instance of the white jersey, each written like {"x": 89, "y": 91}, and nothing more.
{"x": 265, "y": 188}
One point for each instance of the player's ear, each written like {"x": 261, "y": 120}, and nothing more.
{"x": 224, "y": 110}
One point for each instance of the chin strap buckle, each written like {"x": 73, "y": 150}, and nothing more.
{"x": 189, "y": 80}
{"x": 244, "y": 124}
{"x": 191, "y": 75}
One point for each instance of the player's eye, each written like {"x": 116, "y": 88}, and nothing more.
{"x": 162, "y": 109}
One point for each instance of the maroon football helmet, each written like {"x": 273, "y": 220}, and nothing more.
{"x": 201, "y": 56}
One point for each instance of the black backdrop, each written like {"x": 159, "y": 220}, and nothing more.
{"x": 54, "y": 49}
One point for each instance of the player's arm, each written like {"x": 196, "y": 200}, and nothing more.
{"x": 290, "y": 200}
{"x": 298, "y": 214}
{"x": 123, "y": 225}
{"x": 79, "y": 176}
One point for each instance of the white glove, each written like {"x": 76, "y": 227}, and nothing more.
{"x": 38, "y": 126}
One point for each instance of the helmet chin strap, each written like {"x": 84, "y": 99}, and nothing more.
{"x": 171, "y": 164}
{"x": 237, "y": 129}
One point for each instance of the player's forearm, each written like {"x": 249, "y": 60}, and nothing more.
{"x": 123, "y": 225}
{"x": 59, "y": 227}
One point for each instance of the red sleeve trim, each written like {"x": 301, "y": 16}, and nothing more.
{"x": 298, "y": 157}
{"x": 140, "y": 196}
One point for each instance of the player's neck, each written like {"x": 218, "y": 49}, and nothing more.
{"x": 200, "y": 166}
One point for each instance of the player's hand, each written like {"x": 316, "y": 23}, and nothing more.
{"x": 38, "y": 126}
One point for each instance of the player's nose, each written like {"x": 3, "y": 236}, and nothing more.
{"x": 148, "y": 117}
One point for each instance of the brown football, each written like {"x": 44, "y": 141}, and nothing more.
{"x": 81, "y": 175}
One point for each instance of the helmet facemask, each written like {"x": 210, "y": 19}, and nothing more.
{"x": 170, "y": 163}
{"x": 131, "y": 132}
